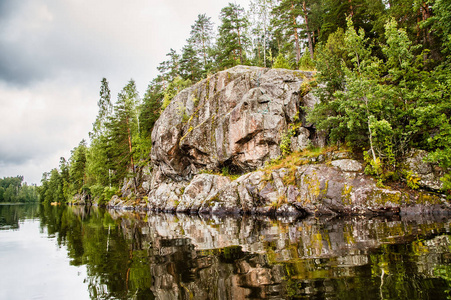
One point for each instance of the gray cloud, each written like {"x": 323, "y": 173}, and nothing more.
{"x": 53, "y": 55}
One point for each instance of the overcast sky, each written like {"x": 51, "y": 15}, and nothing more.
{"x": 53, "y": 55}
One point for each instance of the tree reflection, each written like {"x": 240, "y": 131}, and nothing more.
{"x": 146, "y": 256}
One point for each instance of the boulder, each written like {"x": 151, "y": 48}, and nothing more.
{"x": 202, "y": 187}
{"x": 428, "y": 173}
{"x": 233, "y": 119}
{"x": 301, "y": 140}
{"x": 318, "y": 189}
{"x": 348, "y": 165}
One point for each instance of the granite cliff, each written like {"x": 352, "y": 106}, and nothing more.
{"x": 216, "y": 148}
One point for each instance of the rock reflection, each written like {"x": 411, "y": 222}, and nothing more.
{"x": 213, "y": 258}
{"x": 132, "y": 255}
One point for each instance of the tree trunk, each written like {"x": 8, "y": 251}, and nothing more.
{"x": 296, "y": 37}
{"x": 351, "y": 9}
{"x": 240, "y": 47}
{"x": 130, "y": 148}
{"x": 309, "y": 34}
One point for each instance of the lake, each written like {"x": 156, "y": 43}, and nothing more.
{"x": 49, "y": 252}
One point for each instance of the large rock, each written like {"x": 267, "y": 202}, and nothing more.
{"x": 233, "y": 119}
{"x": 202, "y": 187}
{"x": 318, "y": 189}
{"x": 428, "y": 174}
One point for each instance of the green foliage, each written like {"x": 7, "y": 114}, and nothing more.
{"x": 373, "y": 167}
{"x": 77, "y": 167}
{"x": 13, "y": 189}
{"x": 225, "y": 171}
{"x": 285, "y": 142}
{"x": 412, "y": 180}
{"x": 281, "y": 62}
{"x": 173, "y": 89}
{"x": 103, "y": 194}
{"x": 306, "y": 62}
{"x": 232, "y": 39}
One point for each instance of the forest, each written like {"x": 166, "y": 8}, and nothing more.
{"x": 14, "y": 190}
{"x": 382, "y": 77}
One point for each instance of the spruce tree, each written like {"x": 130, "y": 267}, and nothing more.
{"x": 123, "y": 127}
{"x": 105, "y": 109}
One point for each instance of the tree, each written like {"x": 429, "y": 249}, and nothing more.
{"x": 439, "y": 23}
{"x": 65, "y": 178}
{"x": 260, "y": 16}
{"x": 201, "y": 36}
{"x": 124, "y": 125}
{"x": 77, "y": 168}
{"x": 190, "y": 65}
{"x": 150, "y": 109}
{"x": 105, "y": 109}
{"x": 232, "y": 40}
{"x": 170, "y": 68}
{"x": 286, "y": 26}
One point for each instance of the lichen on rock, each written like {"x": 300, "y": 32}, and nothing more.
{"x": 234, "y": 122}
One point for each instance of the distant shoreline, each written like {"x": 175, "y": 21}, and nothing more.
{"x": 17, "y": 203}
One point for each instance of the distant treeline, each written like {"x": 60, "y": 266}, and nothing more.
{"x": 13, "y": 189}
{"x": 383, "y": 77}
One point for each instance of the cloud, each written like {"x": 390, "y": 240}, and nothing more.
{"x": 53, "y": 55}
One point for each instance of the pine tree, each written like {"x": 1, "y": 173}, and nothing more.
{"x": 190, "y": 65}
{"x": 170, "y": 68}
{"x": 77, "y": 167}
{"x": 260, "y": 17}
{"x": 286, "y": 27}
{"x": 200, "y": 40}
{"x": 232, "y": 40}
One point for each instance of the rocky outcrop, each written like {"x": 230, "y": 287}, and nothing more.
{"x": 234, "y": 122}
{"x": 318, "y": 189}
{"x": 425, "y": 173}
{"x": 235, "y": 119}
{"x": 319, "y": 186}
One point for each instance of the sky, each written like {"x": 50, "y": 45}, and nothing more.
{"x": 53, "y": 56}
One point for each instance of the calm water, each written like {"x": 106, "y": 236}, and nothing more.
{"x": 83, "y": 253}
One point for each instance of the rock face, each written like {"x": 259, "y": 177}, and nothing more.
{"x": 317, "y": 189}
{"x": 428, "y": 174}
{"x": 233, "y": 119}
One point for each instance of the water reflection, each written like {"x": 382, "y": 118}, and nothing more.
{"x": 12, "y": 214}
{"x": 146, "y": 256}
